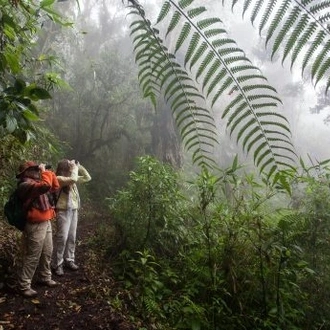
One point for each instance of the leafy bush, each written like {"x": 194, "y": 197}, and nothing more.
{"x": 148, "y": 210}
{"x": 234, "y": 255}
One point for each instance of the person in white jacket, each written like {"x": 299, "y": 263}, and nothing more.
{"x": 69, "y": 173}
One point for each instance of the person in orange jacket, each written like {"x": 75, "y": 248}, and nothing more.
{"x": 35, "y": 185}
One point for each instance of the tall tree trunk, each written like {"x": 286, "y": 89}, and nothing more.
{"x": 164, "y": 138}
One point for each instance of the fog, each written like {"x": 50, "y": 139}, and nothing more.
{"x": 310, "y": 134}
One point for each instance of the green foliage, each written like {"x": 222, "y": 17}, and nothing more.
{"x": 148, "y": 209}
{"x": 18, "y": 111}
{"x": 217, "y": 68}
{"x": 243, "y": 258}
{"x": 164, "y": 73}
{"x": 9, "y": 254}
{"x": 20, "y": 90}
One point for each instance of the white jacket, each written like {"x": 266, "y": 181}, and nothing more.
{"x": 71, "y": 200}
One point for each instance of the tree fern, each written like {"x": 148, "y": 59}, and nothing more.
{"x": 222, "y": 71}
{"x": 299, "y": 27}
{"x": 160, "y": 73}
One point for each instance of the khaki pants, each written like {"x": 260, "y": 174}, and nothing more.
{"x": 38, "y": 246}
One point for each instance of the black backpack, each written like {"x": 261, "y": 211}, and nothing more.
{"x": 15, "y": 211}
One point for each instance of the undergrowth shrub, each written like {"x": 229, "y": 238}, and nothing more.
{"x": 148, "y": 210}
{"x": 10, "y": 250}
{"x": 234, "y": 254}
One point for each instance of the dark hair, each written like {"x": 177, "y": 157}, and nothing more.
{"x": 64, "y": 169}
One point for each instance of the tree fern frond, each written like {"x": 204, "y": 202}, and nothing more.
{"x": 277, "y": 132}
{"x": 159, "y": 72}
{"x": 324, "y": 18}
{"x": 225, "y": 86}
{"x": 300, "y": 43}
{"x": 251, "y": 135}
{"x": 285, "y": 30}
{"x": 280, "y": 14}
{"x": 211, "y": 72}
{"x": 198, "y": 54}
{"x": 232, "y": 59}
{"x": 243, "y": 129}
{"x": 260, "y": 148}
{"x": 300, "y": 27}
{"x": 327, "y": 86}
{"x": 245, "y": 67}
{"x": 170, "y": 84}
{"x": 302, "y": 24}
{"x": 182, "y": 95}
{"x": 185, "y": 3}
{"x": 202, "y": 161}
{"x": 178, "y": 88}
{"x": 185, "y": 116}
{"x": 163, "y": 12}
{"x": 254, "y": 141}
{"x": 246, "y": 6}
{"x": 193, "y": 142}
{"x": 221, "y": 42}
{"x": 231, "y": 50}
{"x": 204, "y": 134}
{"x": 275, "y": 115}
{"x": 275, "y": 146}
{"x": 192, "y": 47}
{"x": 224, "y": 72}
{"x": 272, "y": 170}
{"x": 216, "y": 81}
{"x": 162, "y": 66}
{"x": 266, "y": 15}
{"x": 207, "y": 22}
{"x": 276, "y": 123}
{"x": 259, "y": 87}
{"x": 265, "y": 105}
{"x": 256, "y": 10}
{"x": 138, "y": 25}
{"x": 174, "y": 22}
{"x": 322, "y": 70}
{"x": 235, "y": 113}
{"x": 263, "y": 96}
{"x": 183, "y": 36}
{"x": 258, "y": 160}
{"x": 234, "y": 2}
{"x": 319, "y": 6}
{"x": 206, "y": 61}
{"x": 233, "y": 105}
{"x": 285, "y": 157}
{"x": 319, "y": 59}
{"x": 196, "y": 12}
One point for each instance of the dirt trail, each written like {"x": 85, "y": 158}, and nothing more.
{"x": 80, "y": 301}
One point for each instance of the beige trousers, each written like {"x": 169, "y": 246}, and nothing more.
{"x": 37, "y": 251}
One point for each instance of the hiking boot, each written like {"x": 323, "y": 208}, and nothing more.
{"x": 58, "y": 270}
{"x": 71, "y": 265}
{"x": 49, "y": 283}
{"x": 29, "y": 293}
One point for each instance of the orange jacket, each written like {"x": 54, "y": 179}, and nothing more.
{"x": 32, "y": 190}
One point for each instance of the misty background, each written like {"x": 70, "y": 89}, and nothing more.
{"x": 101, "y": 114}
